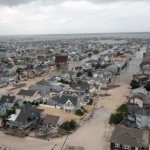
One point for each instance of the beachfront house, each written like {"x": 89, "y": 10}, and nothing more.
{"x": 6, "y": 103}
{"x": 24, "y": 119}
{"x": 51, "y": 121}
{"x": 29, "y": 95}
{"x": 124, "y": 138}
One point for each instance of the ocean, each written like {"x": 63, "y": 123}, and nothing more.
{"x": 48, "y": 37}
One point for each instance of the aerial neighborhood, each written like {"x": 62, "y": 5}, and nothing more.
{"x": 50, "y": 89}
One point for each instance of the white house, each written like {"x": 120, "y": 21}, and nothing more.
{"x": 28, "y": 95}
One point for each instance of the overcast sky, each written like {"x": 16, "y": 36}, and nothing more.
{"x": 73, "y": 16}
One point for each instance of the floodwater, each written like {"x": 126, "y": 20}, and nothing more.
{"x": 73, "y": 64}
{"x": 125, "y": 74}
{"x": 133, "y": 68}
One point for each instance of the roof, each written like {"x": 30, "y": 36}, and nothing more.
{"x": 59, "y": 59}
{"x": 140, "y": 96}
{"x": 7, "y": 98}
{"x": 24, "y": 115}
{"x": 26, "y": 92}
{"x": 142, "y": 111}
{"x": 50, "y": 119}
{"x": 127, "y": 136}
{"x": 64, "y": 98}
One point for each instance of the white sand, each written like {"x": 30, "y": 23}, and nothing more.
{"x": 93, "y": 135}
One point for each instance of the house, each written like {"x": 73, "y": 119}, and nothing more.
{"x": 124, "y": 138}
{"x": 68, "y": 103}
{"x": 43, "y": 89}
{"x": 3, "y": 83}
{"x": 78, "y": 69}
{"x": 6, "y": 103}
{"x": 113, "y": 69}
{"x": 28, "y": 95}
{"x": 139, "y": 90}
{"x": 40, "y": 69}
{"x": 83, "y": 86}
{"x": 9, "y": 78}
{"x": 54, "y": 86}
{"x": 61, "y": 59}
{"x": 142, "y": 118}
{"x": 65, "y": 76}
{"x": 25, "y": 119}
{"x": 120, "y": 63}
{"x": 120, "y": 58}
{"x": 51, "y": 121}
{"x": 140, "y": 99}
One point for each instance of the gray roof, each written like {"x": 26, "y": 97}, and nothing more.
{"x": 26, "y": 92}
{"x": 51, "y": 119}
{"x": 64, "y": 98}
{"x": 26, "y": 115}
{"x": 127, "y": 136}
{"x": 142, "y": 111}
{"x": 7, "y": 98}
{"x": 140, "y": 96}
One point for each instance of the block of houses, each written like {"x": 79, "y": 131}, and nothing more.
{"x": 28, "y": 95}
{"x": 6, "y": 103}
{"x": 124, "y": 138}
{"x": 68, "y": 103}
{"x": 51, "y": 121}
{"x": 25, "y": 119}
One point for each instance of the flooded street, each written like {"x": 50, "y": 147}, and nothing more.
{"x": 132, "y": 68}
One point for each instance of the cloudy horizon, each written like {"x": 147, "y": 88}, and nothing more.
{"x": 22, "y": 17}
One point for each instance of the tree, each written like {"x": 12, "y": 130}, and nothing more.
{"x": 18, "y": 71}
{"x": 89, "y": 54}
{"x": 79, "y": 112}
{"x": 121, "y": 111}
{"x": 90, "y": 73}
{"x": 115, "y": 118}
{"x": 134, "y": 84}
{"x": 147, "y": 86}
{"x": 79, "y": 74}
{"x": 69, "y": 125}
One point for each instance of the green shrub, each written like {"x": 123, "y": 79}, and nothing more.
{"x": 69, "y": 125}
{"x": 115, "y": 118}
{"x": 79, "y": 112}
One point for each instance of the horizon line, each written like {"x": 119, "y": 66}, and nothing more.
{"x": 40, "y": 34}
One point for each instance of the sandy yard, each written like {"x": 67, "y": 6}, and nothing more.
{"x": 59, "y": 112}
{"x": 93, "y": 135}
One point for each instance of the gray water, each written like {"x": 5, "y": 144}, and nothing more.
{"x": 144, "y": 35}
{"x": 133, "y": 68}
